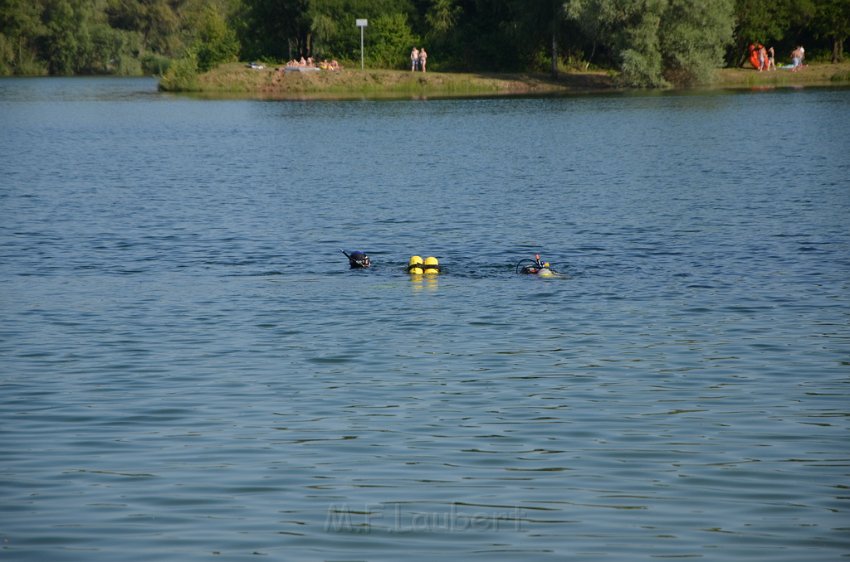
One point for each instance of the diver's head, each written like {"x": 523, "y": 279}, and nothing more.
{"x": 358, "y": 260}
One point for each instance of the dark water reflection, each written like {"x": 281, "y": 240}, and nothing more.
{"x": 190, "y": 371}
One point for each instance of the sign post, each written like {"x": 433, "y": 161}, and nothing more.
{"x": 361, "y": 24}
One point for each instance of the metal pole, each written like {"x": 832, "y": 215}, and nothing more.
{"x": 361, "y": 23}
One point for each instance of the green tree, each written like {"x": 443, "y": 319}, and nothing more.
{"x": 639, "y": 43}
{"x": 442, "y": 15}
{"x": 333, "y": 32}
{"x": 764, "y": 21}
{"x": 7, "y": 56}
{"x": 489, "y": 35}
{"x": 21, "y": 28}
{"x": 332, "y": 28}
{"x": 325, "y": 33}
{"x": 390, "y": 41}
{"x": 535, "y": 31}
{"x": 274, "y": 28}
{"x": 596, "y": 20}
{"x": 631, "y": 30}
{"x": 112, "y": 51}
{"x": 67, "y": 41}
{"x": 832, "y": 22}
{"x": 659, "y": 41}
{"x": 155, "y": 20}
{"x": 694, "y": 35}
{"x": 216, "y": 42}
{"x": 441, "y": 18}
{"x": 768, "y": 22}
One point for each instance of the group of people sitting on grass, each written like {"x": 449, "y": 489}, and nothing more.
{"x": 324, "y": 64}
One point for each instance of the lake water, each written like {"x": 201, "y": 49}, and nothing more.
{"x": 190, "y": 371}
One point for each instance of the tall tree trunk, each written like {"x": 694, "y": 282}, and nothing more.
{"x": 554, "y": 55}
{"x": 557, "y": 7}
{"x": 592, "y": 53}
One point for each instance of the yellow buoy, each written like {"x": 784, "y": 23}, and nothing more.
{"x": 414, "y": 266}
{"x": 433, "y": 263}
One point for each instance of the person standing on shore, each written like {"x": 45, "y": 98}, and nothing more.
{"x": 423, "y": 59}
{"x": 414, "y": 59}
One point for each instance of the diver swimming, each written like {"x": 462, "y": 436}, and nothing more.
{"x": 535, "y": 267}
{"x": 357, "y": 259}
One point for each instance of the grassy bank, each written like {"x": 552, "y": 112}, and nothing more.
{"x": 810, "y": 75}
{"x": 237, "y": 80}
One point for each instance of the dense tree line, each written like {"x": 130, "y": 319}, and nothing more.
{"x": 112, "y": 36}
{"x": 650, "y": 42}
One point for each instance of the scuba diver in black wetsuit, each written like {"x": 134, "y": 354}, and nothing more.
{"x": 535, "y": 267}
{"x": 357, "y": 259}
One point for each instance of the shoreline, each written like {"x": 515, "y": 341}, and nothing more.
{"x": 237, "y": 80}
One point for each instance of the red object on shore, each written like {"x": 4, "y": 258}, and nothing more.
{"x": 754, "y": 55}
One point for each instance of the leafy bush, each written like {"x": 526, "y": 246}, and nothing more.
{"x": 181, "y": 76}
{"x": 153, "y": 63}
{"x": 642, "y": 69}
{"x": 127, "y": 65}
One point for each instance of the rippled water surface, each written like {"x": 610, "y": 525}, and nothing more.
{"x": 190, "y": 371}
